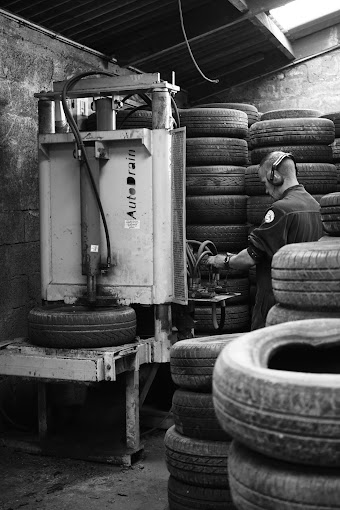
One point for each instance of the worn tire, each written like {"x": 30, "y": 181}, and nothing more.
{"x": 276, "y": 391}
{"x": 259, "y": 483}
{"x": 279, "y": 314}
{"x": 292, "y": 132}
{"x": 197, "y": 461}
{"x": 290, "y": 113}
{"x": 335, "y": 117}
{"x": 237, "y": 318}
{"x": 306, "y": 276}
{"x": 249, "y": 109}
{"x": 138, "y": 119}
{"x": 315, "y": 177}
{"x": 215, "y": 180}
{"x": 240, "y": 285}
{"x": 216, "y": 209}
{"x": 231, "y": 238}
{"x": 192, "y": 361}
{"x": 216, "y": 151}
{"x": 330, "y": 213}
{"x": 301, "y": 153}
{"x": 214, "y": 122}
{"x": 257, "y": 207}
{"x": 72, "y": 327}
{"x": 194, "y": 416}
{"x": 182, "y": 496}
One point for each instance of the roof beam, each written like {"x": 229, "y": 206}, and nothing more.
{"x": 273, "y": 34}
{"x": 240, "y": 5}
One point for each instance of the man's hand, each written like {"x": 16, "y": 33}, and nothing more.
{"x": 216, "y": 261}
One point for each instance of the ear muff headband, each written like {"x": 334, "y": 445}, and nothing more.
{"x": 274, "y": 178}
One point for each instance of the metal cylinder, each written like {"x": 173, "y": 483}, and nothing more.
{"x": 61, "y": 125}
{"x": 45, "y": 116}
{"x": 105, "y": 114}
{"x": 161, "y": 109}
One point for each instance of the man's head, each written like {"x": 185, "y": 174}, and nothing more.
{"x": 277, "y": 171}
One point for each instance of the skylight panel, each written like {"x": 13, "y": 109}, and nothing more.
{"x": 299, "y": 12}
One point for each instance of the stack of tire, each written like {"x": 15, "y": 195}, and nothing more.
{"x": 276, "y": 392}
{"x": 196, "y": 447}
{"x": 335, "y": 117}
{"x": 306, "y": 276}
{"x": 217, "y": 153}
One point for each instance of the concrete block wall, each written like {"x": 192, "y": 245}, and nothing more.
{"x": 29, "y": 62}
{"x": 311, "y": 84}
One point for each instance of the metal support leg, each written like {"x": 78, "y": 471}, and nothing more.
{"x": 42, "y": 410}
{"x": 132, "y": 409}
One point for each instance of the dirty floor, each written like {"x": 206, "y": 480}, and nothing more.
{"x": 31, "y": 482}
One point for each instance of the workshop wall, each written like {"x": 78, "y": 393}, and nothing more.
{"x": 29, "y": 62}
{"x": 311, "y": 84}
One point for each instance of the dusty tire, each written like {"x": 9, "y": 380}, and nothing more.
{"x": 240, "y": 285}
{"x": 214, "y": 122}
{"x": 138, "y": 119}
{"x": 292, "y": 132}
{"x": 279, "y": 314}
{"x": 197, "y": 461}
{"x": 257, "y": 482}
{"x": 215, "y": 180}
{"x": 290, "y": 113}
{"x": 231, "y": 238}
{"x": 257, "y": 207}
{"x": 237, "y": 319}
{"x": 276, "y": 391}
{"x": 72, "y": 327}
{"x": 335, "y": 117}
{"x": 216, "y": 151}
{"x": 306, "y": 276}
{"x": 216, "y": 209}
{"x": 192, "y": 361}
{"x": 330, "y": 213}
{"x": 249, "y": 109}
{"x": 301, "y": 153}
{"x": 183, "y": 496}
{"x": 194, "y": 416}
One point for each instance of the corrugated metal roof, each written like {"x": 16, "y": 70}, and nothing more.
{"x": 230, "y": 39}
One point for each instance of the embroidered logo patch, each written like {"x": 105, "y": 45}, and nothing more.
{"x": 269, "y": 216}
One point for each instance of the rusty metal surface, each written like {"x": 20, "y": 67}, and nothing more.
{"x": 147, "y": 34}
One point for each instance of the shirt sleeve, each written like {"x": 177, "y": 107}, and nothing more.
{"x": 270, "y": 236}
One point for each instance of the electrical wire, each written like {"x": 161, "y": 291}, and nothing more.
{"x": 188, "y": 45}
{"x": 81, "y": 147}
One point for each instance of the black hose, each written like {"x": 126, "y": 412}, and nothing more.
{"x": 75, "y": 130}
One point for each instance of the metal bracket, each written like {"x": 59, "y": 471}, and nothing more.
{"x": 109, "y": 366}
{"x": 44, "y": 150}
{"x": 101, "y": 150}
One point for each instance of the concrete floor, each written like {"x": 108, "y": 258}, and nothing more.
{"x": 45, "y": 483}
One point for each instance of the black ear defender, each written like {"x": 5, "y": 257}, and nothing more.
{"x": 272, "y": 176}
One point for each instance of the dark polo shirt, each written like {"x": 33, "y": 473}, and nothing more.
{"x": 295, "y": 218}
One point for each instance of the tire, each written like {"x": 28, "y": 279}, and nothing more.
{"x": 330, "y": 213}
{"x": 280, "y": 397}
{"x": 257, "y": 207}
{"x": 257, "y": 482}
{"x": 336, "y": 150}
{"x": 289, "y": 113}
{"x": 306, "y": 276}
{"x": 292, "y": 132}
{"x": 194, "y": 416}
{"x": 301, "y": 153}
{"x": 335, "y": 117}
{"x": 249, "y": 109}
{"x": 72, "y": 327}
{"x": 216, "y": 209}
{"x": 215, "y": 180}
{"x": 192, "y": 361}
{"x": 197, "y": 461}
{"x": 183, "y": 496}
{"x": 214, "y": 122}
{"x": 138, "y": 119}
{"x": 279, "y": 314}
{"x": 237, "y": 318}
{"x": 240, "y": 285}
{"x": 231, "y": 238}
{"x": 216, "y": 151}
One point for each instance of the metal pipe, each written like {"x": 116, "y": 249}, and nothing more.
{"x": 105, "y": 115}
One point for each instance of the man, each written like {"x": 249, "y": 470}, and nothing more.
{"x": 294, "y": 217}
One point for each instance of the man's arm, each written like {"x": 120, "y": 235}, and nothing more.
{"x": 241, "y": 260}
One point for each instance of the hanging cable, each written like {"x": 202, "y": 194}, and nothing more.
{"x": 188, "y": 45}
{"x": 82, "y": 150}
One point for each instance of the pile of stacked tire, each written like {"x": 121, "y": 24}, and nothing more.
{"x": 335, "y": 117}
{"x": 306, "y": 276}
{"x": 307, "y": 137}
{"x": 217, "y": 152}
{"x": 196, "y": 447}
{"x": 276, "y": 392}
